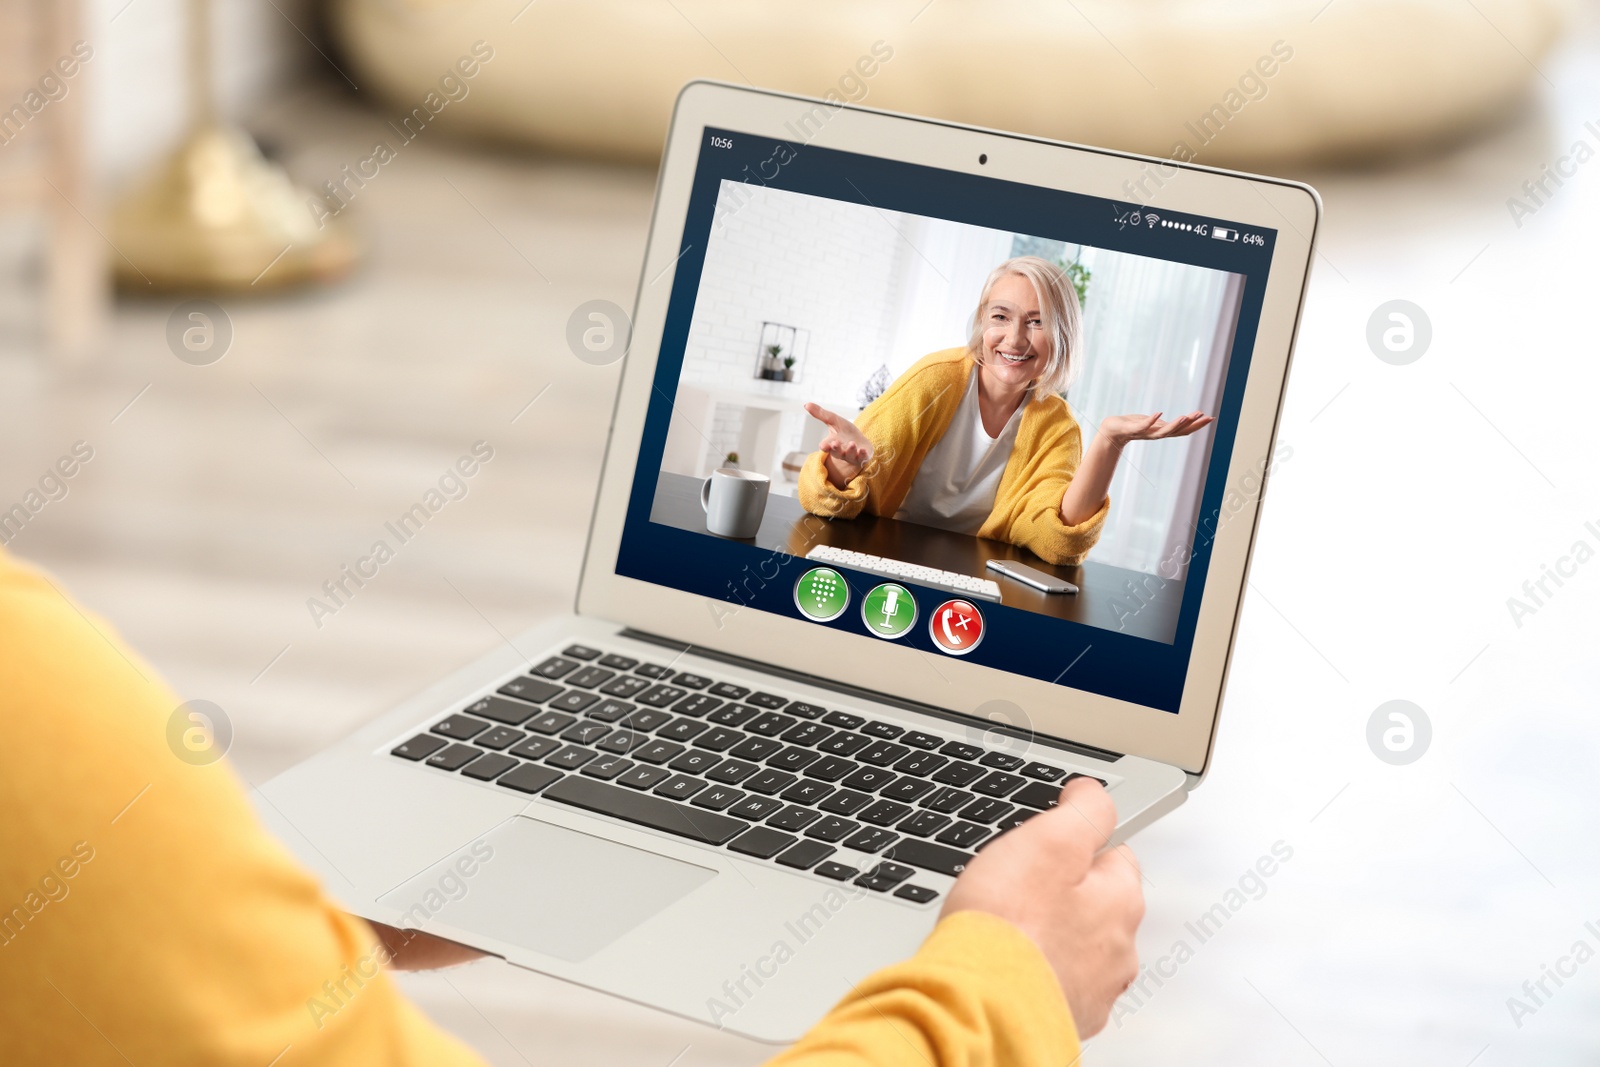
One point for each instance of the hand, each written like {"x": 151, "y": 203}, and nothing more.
{"x": 1079, "y": 908}
{"x": 846, "y": 450}
{"x": 1121, "y": 429}
{"x": 413, "y": 950}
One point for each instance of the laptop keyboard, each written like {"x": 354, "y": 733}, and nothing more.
{"x": 759, "y": 774}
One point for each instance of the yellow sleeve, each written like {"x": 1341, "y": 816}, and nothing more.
{"x": 145, "y": 915}
{"x": 1030, "y": 514}
{"x": 978, "y": 992}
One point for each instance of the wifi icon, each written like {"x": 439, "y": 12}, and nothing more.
{"x": 1152, "y": 220}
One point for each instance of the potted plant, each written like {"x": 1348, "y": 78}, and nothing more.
{"x": 771, "y": 371}
{"x": 788, "y": 368}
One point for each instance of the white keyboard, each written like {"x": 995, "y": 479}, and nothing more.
{"x": 964, "y": 584}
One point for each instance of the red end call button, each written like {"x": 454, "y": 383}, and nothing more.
{"x": 956, "y": 627}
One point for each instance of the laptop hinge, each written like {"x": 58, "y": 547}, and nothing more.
{"x": 863, "y": 693}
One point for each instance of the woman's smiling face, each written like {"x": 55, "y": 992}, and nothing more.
{"x": 1015, "y": 343}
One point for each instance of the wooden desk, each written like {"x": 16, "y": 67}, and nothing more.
{"x": 1113, "y": 598}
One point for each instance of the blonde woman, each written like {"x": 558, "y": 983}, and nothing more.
{"x": 979, "y": 439}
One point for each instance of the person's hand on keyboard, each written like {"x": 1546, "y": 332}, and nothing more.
{"x": 1081, "y": 909}
{"x": 847, "y": 450}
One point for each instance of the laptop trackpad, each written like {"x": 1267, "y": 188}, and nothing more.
{"x": 547, "y": 888}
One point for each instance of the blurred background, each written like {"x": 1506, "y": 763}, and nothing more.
{"x": 272, "y": 265}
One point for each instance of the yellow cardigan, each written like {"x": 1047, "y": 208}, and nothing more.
{"x": 147, "y": 916}
{"x": 910, "y": 418}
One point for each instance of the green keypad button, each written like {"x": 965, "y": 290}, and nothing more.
{"x": 821, "y": 594}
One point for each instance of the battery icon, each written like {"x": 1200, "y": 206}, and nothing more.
{"x": 1224, "y": 233}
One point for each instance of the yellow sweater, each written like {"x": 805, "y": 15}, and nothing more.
{"x": 908, "y": 420}
{"x": 147, "y": 917}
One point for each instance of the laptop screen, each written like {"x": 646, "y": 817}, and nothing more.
{"x": 954, "y": 414}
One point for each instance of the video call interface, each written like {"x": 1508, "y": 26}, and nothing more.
{"x": 952, "y": 414}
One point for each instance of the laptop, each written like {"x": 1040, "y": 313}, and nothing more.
{"x": 746, "y": 769}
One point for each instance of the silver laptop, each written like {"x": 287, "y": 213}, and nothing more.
{"x": 746, "y": 770}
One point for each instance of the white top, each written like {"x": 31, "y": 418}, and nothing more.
{"x": 955, "y": 487}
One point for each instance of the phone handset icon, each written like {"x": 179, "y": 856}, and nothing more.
{"x": 944, "y": 620}
{"x": 956, "y": 627}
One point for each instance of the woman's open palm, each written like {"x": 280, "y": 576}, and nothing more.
{"x": 1125, "y": 428}
{"x": 847, "y": 448}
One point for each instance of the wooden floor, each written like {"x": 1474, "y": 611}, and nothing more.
{"x": 1416, "y": 501}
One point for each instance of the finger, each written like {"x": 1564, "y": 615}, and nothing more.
{"x": 1086, "y": 812}
{"x": 822, "y": 414}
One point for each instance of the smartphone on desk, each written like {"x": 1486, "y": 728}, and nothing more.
{"x": 1031, "y": 576}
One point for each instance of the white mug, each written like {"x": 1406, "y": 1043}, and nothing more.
{"x": 734, "y": 501}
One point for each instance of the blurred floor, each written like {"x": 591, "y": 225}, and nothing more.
{"x": 1417, "y": 500}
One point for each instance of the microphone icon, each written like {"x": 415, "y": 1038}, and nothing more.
{"x": 891, "y": 604}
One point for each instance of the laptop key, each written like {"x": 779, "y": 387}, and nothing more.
{"x": 769, "y": 782}
{"x": 947, "y": 800}
{"x": 1014, "y": 820}
{"x": 1102, "y": 781}
{"x": 882, "y": 754}
{"x": 918, "y": 739}
{"x": 696, "y": 761}
{"x": 917, "y": 894}
{"x": 807, "y": 791}
{"x": 690, "y": 681}
{"x": 682, "y": 730}
{"x": 843, "y": 719}
{"x": 869, "y": 779}
{"x": 622, "y": 742}
{"x": 958, "y": 774}
{"x": 645, "y": 810}
{"x": 418, "y": 747}
{"x": 794, "y": 817}
{"x": 1043, "y": 771}
{"x": 986, "y": 809}
{"x": 895, "y": 873}
{"x": 882, "y": 729}
{"x": 870, "y": 839}
{"x": 961, "y": 835}
{"x": 845, "y": 802}
{"x": 454, "y": 758}
{"x": 832, "y": 828}
{"x": 581, "y": 652}
{"x": 498, "y": 738}
{"x": 837, "y": 871}
{"x": 696, "y": 704}
{"x": 921, "y": 764}
{"x": 627, "y": 687}
{"x": 571, "y": 757}
{"x": 732, "y": 771}
{"x": 653, "y": 670}
{"x": 533, "y": 690}
{"x": 556, "y": 667}
{"x": 680, "y": 787}
{"x": 501, "y": 710}
{"x": 642, "y": 777}
{"x": 460, "y": 727}
{"x": 1039, "y": 795}
{"x": 792, "y": 758}
{"x": 1003, "y": 760}
{"x": 610, "y": 710}
{"x": 844, "y": 743}
{"x": 606, "y": 767}
{"x": 551, "y": 722}
{"x": 755, "y": 808}
{"x": 807, "y": 733}
{"x": 718, "y": 739}
{"x": 998, "y": 784}
{"x": 732, "y": 715}
{"x": 761, "y": 842}
{"x": 718, "y": 797}
{"x": 489, "y": 766}
{"x": 587, "y": 732}
{"x": 806, "y": 711}
{"x": 645, "y": 719}
{"x": 589, "y": 677}
{"x": 572, "y": 700}
{"x": 906, "y": 788}
{"x": 657, "y": 752}
{"x": 755, "y": 748}
{"x": 873, "y": 882}
{"x": 618, "y": 663}
{"x": 769, "y": 701}
{"x": 930, "y": 857}
{"x": 770, "y": 724}
{"x": 805, "y": 854}
{"x": 659, "y": 696}
{"x": 528, "y": 778}
{"x": 960, "y": 750}
{"x": 885, "y": 813}
{"x": 534, "y": 747}
{"x": 923, "y": 824}
{"x": 728, "y": 691}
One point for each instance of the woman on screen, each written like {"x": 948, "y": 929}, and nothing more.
{"x": 979, "y": 439}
